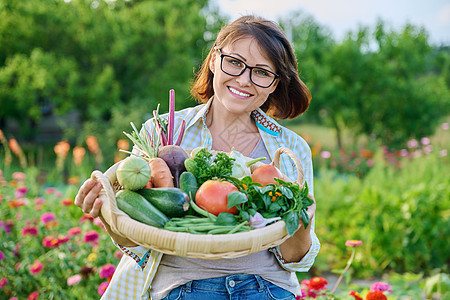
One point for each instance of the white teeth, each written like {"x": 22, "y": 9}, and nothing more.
{"x": 239, "y": 93}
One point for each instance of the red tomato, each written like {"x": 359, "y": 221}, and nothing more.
{"x": 212, "y": 196}
{"x": 265, "y": 174}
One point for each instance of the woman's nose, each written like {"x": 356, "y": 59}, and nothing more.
{"x": 244, "y": 78}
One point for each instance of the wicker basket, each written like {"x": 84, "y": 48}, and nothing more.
{"x": 186, "y": 244}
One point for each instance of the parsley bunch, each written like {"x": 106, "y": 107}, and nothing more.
{"x": 205, "y": 166}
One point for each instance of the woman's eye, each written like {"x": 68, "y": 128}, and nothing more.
{"x": 262, "y": 72}
{"x": 235, "y": 62}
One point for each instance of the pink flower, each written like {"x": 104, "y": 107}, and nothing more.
{"x": 102, "y": 287}
{"x": 74, "y": 231}
{"x": 99, "y": 223}
{"x": 425, "y": 141}
{"x": 29, "y": 230}
{"x": 50, "y": 190}
{"x": 63, "y": 239}
{"x": 50, "y": 242}
{"x": 73, "y": 280}
{"x": 325, "y": 154}
{"x": 413, "y": 143}
{"x": 3, "y": 282}
{"x": 445, "y": 126}
{"x": 19, "y": 176}
{"x": 118, "y": 254}
{"x": 403, "y": 153}
{"x": 2, "y": 256}
{"x": 13, "y": 298}
{"x": 39, "y": 201}
{"x": 443, "y": 153}
{"x": 21, "y": 192}
{"x": 36, "y": 267}
{"x": 353, "y": 243}
{"x": 33, "y": 296}
{"x": 107, "y": 271}
{"x": 380, "y": 286}
{"x": 85, "y": 218}
{"x": 48, "y": 217}
{"x": 91, "y": 236}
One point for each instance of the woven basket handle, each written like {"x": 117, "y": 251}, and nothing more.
{"x": 109, "y": 210}
{"x": 276, "y": 162}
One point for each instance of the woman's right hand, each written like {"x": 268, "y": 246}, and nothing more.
{"x": 88, "y": 198}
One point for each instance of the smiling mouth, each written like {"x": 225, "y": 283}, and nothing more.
{"x": 242, "y": 94}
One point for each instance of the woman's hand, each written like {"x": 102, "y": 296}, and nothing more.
{"x": 296, "y": 247}
{"x": 89, "y": 201}
{"x": 88, "y": 198}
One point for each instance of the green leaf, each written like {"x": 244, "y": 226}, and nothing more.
{"x": 285, "y": 191}
{"x": 225, "y": 218}
{"x": 235, "y": 198}
{"x": 274, "y": 207}
{"x": 291, "y": 220}
{"x": 305, "y": 217}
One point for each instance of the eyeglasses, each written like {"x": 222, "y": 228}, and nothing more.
{"x": 235, "y": 67}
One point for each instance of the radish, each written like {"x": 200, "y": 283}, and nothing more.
{"x": 171, "y": 152}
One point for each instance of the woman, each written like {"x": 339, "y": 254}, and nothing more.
{"x": 250, "y": 72}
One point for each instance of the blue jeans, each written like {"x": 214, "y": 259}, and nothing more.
{"x": 233, "y": 287}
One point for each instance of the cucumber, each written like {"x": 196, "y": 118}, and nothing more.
{"x": 188, "y": 184}
{"x": 139, "y": 209}
{"x": 172, "y": 201}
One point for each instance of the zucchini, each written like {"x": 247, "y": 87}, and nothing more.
{"x": 172, "y": 201}
{"x": 139, "y": 209}
{"x": 188, "y": 184}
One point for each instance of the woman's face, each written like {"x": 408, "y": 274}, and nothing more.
{"x": 238, "y": 94}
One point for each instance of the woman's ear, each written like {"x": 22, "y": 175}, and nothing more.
{"x": 212, "y": 62}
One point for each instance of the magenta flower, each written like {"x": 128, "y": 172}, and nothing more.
{"x": 29, "y": 230}
{"x": 36, "y": 267}
{"x": 33, "y": 296}
{"x": 353, "y": 243}
{"x": 102, "y": 287}
{"x": 48, "y": 217}
{"x": 74, "y": 231}
{"x": 2, "y": 256}
{"x": 380, "y": 286}
{"x": 73, "y": 280}
{"x": 63, "y": 239}
{"x": 50, "y": 242}
{"x": 3, "y": 282}
{"x": 39, "y": 201}
{"x": 91, "y": 236}
{"x": 107, "y": 271}
{"x": 21, "y": 192}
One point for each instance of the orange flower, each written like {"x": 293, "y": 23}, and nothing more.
{"x": 78, "y": 155}
{"x": 91, "y": 142}
{"x": 123, "y": 144}
{"x": 356, "y": 295}
{"x": 73, "y": 180}
{"x": 274, "y": 197}
{"x": 61, "y": 149}
{"x": 14, "y": 146}
{"x": 366, "y": 153}
{"x": 376, "y": 295}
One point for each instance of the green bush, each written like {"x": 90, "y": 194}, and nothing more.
{"x": 400, "y": 214}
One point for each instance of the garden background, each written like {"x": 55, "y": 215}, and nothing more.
{"x": 74, "y": 74}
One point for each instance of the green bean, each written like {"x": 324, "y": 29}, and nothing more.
{"x": 238, "y": 227}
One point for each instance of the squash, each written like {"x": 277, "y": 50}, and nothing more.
{"x": 133, "y": 173}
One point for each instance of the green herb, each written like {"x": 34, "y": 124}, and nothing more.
{"x": 205, "y": 166}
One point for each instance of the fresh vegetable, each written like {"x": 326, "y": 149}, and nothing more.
{"x": 188, "y": 184}
{"x": 287, "y": 200}
{"x": 241, "y": 165}
{"x": 258, "y": 221}
{"x": 139, "y": 209}
{"x": 133, "y": 173}
{"x": 147, "y": 143}
{"x": 205, "y": 166}
{"x": 171, "y": 152}
{"x": 266, "y": 174}
{"x": 212, "y": 196}
{"x": 174, "y": 156}
{"x": 171, "y": 201}
{"x": 207, "y": 224}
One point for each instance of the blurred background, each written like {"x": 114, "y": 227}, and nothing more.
{"x": 75, "y": 73}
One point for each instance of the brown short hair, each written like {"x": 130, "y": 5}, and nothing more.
{"x": 291, "y": 97}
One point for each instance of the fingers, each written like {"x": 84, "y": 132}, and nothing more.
{"x": 87, "y": 198}
{"x": 312, "y": 208}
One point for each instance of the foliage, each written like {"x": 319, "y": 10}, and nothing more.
{"x": 95, "y": 56}
{"x": 391, "y": 86}
{"x": 401, "y": 214}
